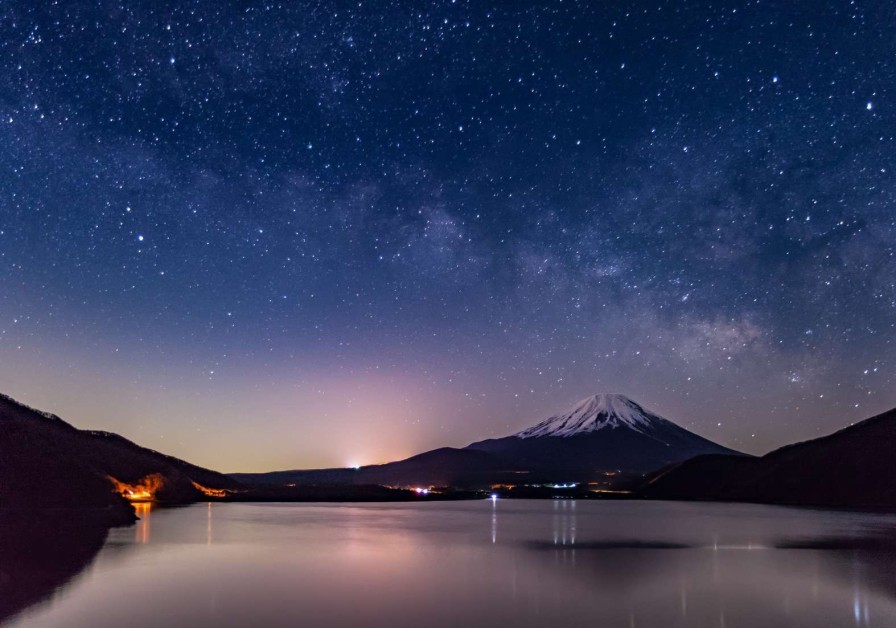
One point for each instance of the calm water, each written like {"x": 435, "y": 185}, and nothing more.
{"x": 519, "y": 563}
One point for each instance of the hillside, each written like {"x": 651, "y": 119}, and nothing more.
{"x": 854, "y": 467}
{"x": 47, "y": 463}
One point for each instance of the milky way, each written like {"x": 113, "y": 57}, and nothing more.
{"x": 280, "y": 235}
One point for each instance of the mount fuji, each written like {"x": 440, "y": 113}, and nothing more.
{"x": 602, "y": 439}
{"x": 599, "y": 437}
{"x": 596, "y": 413}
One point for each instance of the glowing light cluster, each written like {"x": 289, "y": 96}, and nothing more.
{"x": 211, "y": 492}
{"x": 143, "y": 490}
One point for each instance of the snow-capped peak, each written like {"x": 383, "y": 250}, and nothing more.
{"x": 595, "y": 413}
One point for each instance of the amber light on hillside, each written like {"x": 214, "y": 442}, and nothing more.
{"x": 144, "y": 490}
{"x": 211, "y": 492}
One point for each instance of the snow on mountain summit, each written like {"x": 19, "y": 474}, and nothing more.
{"x": 595, "y": 413}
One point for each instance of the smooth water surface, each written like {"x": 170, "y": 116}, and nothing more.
{"x": 483, "y": 563}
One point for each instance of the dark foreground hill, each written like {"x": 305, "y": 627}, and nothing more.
{"x": 852, "y": 468}
{"x": 603, "y": 439}
{"x": 47, "y": 463}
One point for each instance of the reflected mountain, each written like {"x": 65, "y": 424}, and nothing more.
{"x": 691, "y": 583}
{"x": 39, "y": 554}
{"x": 485, "y": 563}
{"x": 625, "y": 544}
{"x": 874, "y": 551}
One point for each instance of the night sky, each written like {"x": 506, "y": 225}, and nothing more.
{"x": 264, "y": 236}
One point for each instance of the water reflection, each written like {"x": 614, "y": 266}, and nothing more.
{"x": 564, "y": 521}
{"x": 39, "y": 553}
{"x": 208, "y": 524}
{"x": 142, "y": 527}
{"x": 865, "y": 561}
{"x": 445, "y": 564}
{"x": 860, "y": 609}
{"x": 721, "y": 572}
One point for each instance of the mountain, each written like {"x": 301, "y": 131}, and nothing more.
{"x": 603, "y": 439}
{"x": 47, "y": 463}
{"x": 595, "y": 413}
{"x": 854, "y": 467}
{"x": 601, "y": 436}
{"x": 446, "y": 466}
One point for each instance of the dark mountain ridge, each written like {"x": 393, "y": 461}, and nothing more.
{"x": 853, "y": 467}
{"x": 47, "y": 463}
{"x": 446, "y": 466}
{"x": 603, "y": 439}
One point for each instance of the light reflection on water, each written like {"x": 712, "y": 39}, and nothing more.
{"x": 521, "y": 563}
{"x": 142, "y": 528}
{"x": 208, "y": 524}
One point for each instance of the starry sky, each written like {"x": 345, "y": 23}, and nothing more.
{"x": 281, "y": 235}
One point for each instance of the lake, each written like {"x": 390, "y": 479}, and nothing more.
{"x": 485, "y": 563}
